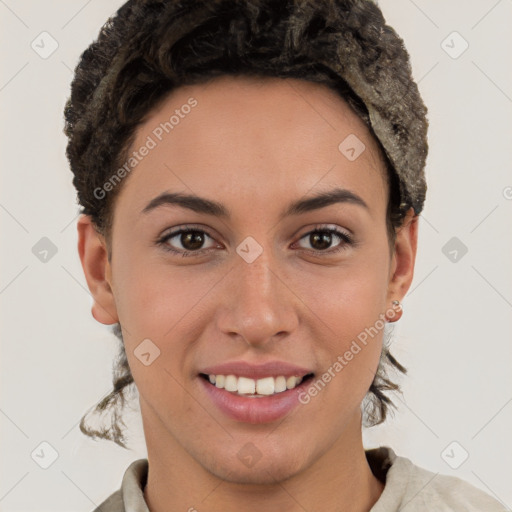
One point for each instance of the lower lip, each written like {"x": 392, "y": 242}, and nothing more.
{"x": 254, "y": 409}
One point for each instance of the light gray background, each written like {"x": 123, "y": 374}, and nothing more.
{"x": 454, "y": 336}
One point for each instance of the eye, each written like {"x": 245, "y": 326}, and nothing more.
{"x": 321, "y": 238}
{"x": 191, "y": 240}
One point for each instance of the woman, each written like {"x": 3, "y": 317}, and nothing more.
{"x": 251, "y": 175}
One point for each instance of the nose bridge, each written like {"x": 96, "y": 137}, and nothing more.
{"x": 260, "y": 304}
{"x": 257, "y": 280}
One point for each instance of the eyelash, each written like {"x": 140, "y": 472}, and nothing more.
{"x": 345, "y": 237}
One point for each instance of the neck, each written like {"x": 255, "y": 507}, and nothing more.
{"x": 339, "y": 480}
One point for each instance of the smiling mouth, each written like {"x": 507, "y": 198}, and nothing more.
{"x": 255, "y": 388}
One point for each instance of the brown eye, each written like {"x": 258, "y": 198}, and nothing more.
{"x": 191, "y": 241}
{"x": 321, "y": 240}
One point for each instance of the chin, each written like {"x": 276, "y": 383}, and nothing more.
{"x": 267, "y": 470}
{"x": 263, "y": 474}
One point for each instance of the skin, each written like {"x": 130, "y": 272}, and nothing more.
{"x": 254, "y": 146}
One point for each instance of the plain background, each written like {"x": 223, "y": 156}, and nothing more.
{"x": 454, "y": 336}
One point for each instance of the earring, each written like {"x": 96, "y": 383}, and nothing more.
{"x": 395, "y": 312}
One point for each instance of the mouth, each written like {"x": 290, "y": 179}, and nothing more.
{"x": 265, "y": 399}
{"x": 256, "y": 388}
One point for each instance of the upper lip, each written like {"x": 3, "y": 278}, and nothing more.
{"x": 256, "y": 371}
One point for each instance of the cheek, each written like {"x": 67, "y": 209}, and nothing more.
{"x": 351, "y": 306}
{"x": 348, "y": 298}
{"x": 152, "y": 296}
{"x": 157, "y": 304}
{"x": 165, "y": 305}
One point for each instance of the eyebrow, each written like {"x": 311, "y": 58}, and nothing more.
{"x": 207, "y": 206}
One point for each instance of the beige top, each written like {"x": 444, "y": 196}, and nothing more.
{"x": 405, "y": 485}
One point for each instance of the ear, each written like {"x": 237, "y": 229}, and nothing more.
{"x": 92, "y": 249}
{"x": 404, "y": 257}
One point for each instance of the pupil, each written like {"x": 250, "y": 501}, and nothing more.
{"x": 192, "y": 240}
{"x": 324, "y": 238}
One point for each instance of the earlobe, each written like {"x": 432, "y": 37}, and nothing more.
{"x": 93, "y": 256}
{"x": 405, "y": 257}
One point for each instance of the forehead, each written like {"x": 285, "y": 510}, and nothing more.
{"x": 258, "y": 140}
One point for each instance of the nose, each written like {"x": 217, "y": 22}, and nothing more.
{"x": 260, "y": 307}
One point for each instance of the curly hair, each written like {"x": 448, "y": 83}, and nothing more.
{"x": 148, "y": 48}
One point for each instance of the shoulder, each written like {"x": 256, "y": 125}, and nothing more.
{"x": 411, "y": 486}
{"x": 444, "y": 492}
{"x": 114, "y": 503}
{"x": 131, "y": 492}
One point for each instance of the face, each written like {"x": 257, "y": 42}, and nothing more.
{"x": 254, "y": 288}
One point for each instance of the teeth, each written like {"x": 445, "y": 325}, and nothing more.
{"x": 260, "y": 387}
{"x": 230, "y": 384}
{"x": 246, "y": 386}
{"x": 280, "y": 384}
{"x": 265, "y": 386}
